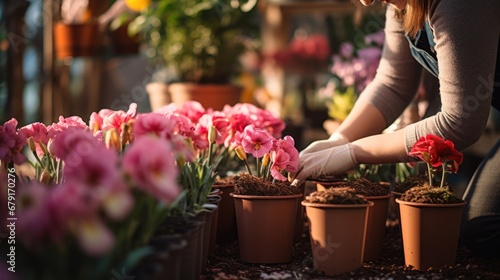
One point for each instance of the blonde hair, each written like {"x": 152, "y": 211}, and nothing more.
{"x": 414, "y": 15}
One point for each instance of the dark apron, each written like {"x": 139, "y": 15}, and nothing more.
{"x": 422, "y": 49}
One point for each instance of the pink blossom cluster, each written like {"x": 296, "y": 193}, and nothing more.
{"x": 302, "y": 52}
{"x": 282, "y": 152}
{"x": 118, "y": 155}
{"x": 11, "y": 143}
{"x": 228, "y": 122}
{"x": 358, "y": 67}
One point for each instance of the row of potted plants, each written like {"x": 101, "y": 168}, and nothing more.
{"x": 127, "y": 187}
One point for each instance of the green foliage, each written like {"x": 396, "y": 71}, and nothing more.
{"x": 201, "y": 40}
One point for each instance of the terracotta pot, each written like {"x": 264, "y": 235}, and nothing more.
{"x": 206, "y": 217}
{"x": 76, "y": 39}
{"x": 158, "y": 95}
{"x": 337, "y": 233}
{"x": 376, "y": 225}
{"x": 299, "y": 218}
{"x": 226, "y": 220}
{"x": 213, "y": 96}
{"x": 168, "y": 256}
{"x": 192, "y": 231}
{"x": 430, "y": 233}
{"x": 266, "y": 227}
{"x": 214, "y": 198}
{"x": 375, "y": 228}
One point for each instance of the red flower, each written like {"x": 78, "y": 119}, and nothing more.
{"x": 435, "y": 150}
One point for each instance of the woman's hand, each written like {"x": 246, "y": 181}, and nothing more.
{"x": 325, "y": 163}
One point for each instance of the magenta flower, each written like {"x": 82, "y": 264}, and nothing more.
{"x": 11, "y": 143}
{"x": 151, "y": 164}
{"x": 256, "y": 141}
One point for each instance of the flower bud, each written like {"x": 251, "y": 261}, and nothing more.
{"x": 212, "y": 134}
{"x": 45, "y": 177}
{"x": 31, "y": 144}
{"x": 265, "y": 160}
{"x": 241, "y": 153}
{"x": 112, "y": 139}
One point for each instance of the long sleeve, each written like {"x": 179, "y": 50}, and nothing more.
{"x": 466, "y": 33}
{"x": 398, "y": 74}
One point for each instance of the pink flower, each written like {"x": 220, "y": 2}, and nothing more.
{"x": 193, "y": 110}
{"x": 97, "y": 119}
{"x": 39, "y": 133}
{"x": 287, "y": 145}
{"x": 11, "y": 143}
{"x": 182, "y": 124}
{"x": 76, "y": 142}
{"x": 256, "y": 141}
{"x": 150, "y": 163}
{"x": 153, "y": 124}
{"x": 280, "y": 161}
{"x": 115, "y": 120}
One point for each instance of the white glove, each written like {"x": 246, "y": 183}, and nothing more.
{"x": 336, "y": 139}
{"x": 325, "y": 163}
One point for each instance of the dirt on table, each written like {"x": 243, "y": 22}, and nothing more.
{"x": 226, "y": 264}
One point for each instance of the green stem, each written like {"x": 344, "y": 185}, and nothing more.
{"x": 443, "y": 174}
{"x": 248, "y": 167}
{"x": 258, "y": 170}
{"x": 210, "y": 149}
{"x": 430, "y": 174}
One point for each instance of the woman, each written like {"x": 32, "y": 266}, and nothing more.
{"x": 457, "y": 41}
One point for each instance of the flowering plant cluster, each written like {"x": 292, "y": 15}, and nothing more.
{"x": 304, "y": 54}
{"x": 274, "y": 157}
{"x": 438, "y": 154}
{"x": 353, "y": 68}
{"x": 101, "y": 190}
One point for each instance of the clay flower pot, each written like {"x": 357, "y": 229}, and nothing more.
{"x": 337, "y": 232}
{"x": 226, "y": 221}
{"x": 76, "y": 39}
{"x": 266, "y": 226}
{"x": 214, "y": 96}
{"x": 430, "y": 233}
{"x": 378, "y": 193}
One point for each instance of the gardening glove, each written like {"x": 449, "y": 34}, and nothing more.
{"x": 336, "y": 139}
{"x": 325, "y": 163}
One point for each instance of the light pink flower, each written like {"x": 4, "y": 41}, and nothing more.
{"x": 256, "y": 141}
{"x": 115, "y": 120}
{"x": 150, "y": 163}
{"x": 182, "y": 124}
{"x": 280, "y": 161}
{"x": 39, "y": 133}
{"x": 193, "y": 110}
{"x": 74, "y": 141}
{"x": 153, "y": 124}
{"x": 287, "y": 145}
{"x": 11, "y": 143}
{"x": 97, "y": 119}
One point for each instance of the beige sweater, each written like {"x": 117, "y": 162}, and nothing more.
{"x": 466, "y": 33}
